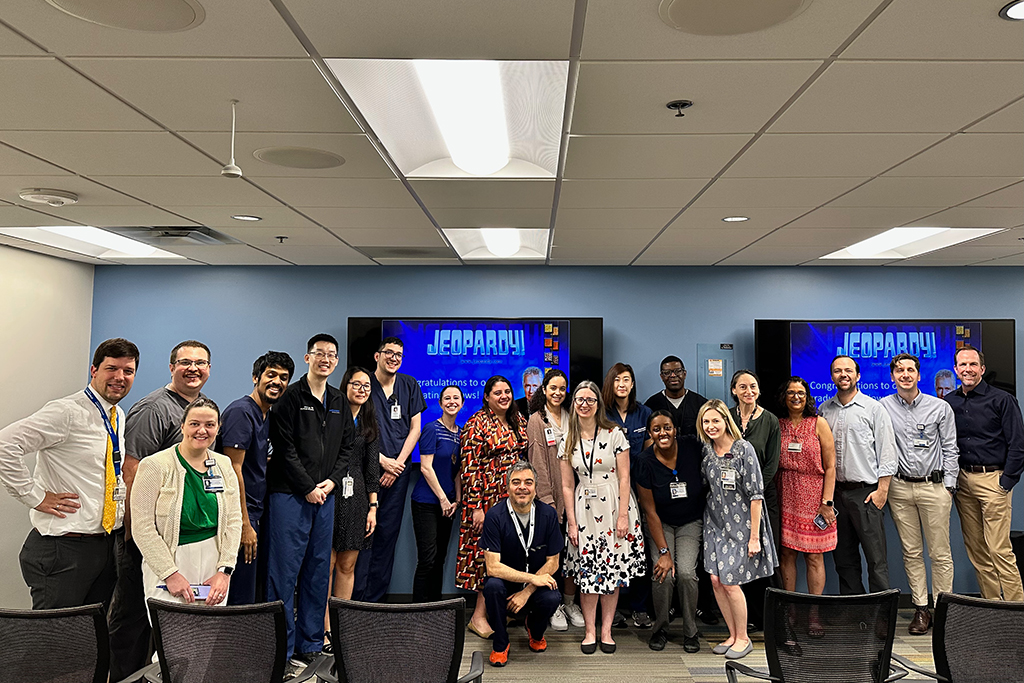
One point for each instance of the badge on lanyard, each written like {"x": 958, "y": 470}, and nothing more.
{"x": 795, "y": 447}
{"x": 396, "y": 411}
{"x": 589, "y": 492}
{"x": 921, "y": 441}
{"x": 728, "y": 479}
{"x": 549, "y": 435}
{"x": 348, "y": 486}
{"x": 213, "y": 483}
{"x": 677, "y": 489}
{"x": 120, "y": 491}
{"x": 525, "y": 541}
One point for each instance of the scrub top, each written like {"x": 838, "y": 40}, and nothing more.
{"x": 243, "y": 426}
{"x": 438, "y": 440}
{"x": 407, "y": 394}
{"x": 635, "y": 426}
{"x": 498, "y": 535}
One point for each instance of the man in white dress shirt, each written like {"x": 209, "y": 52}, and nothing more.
{"x": 76, "y": 492}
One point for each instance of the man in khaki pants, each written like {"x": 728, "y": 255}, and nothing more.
{"x": 990, "y": 434}
{"x": 921, "y": 493}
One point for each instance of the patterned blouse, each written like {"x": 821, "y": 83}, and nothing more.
{"x": 489, "y": 449}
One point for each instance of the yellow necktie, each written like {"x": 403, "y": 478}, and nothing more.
{"x": 109, "y": 505}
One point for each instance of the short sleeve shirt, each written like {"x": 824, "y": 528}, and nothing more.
{"x": 154, "y": 423}
{"x": 407, "y": 395}
{"x": 653, "y": 475}
{"x": 243, "y": 426}
{"x": 499, "y": 536}
{"x": 443, "y": 444}
{"x": 635, "y": 425}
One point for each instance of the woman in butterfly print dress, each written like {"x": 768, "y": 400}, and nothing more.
{"x": 606, "y": 544}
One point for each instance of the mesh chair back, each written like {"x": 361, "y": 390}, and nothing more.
{"x": 200, "y": 644}
{"x": 978, "y": 641}
{"x": 379, "y": 643}
{"x": 854, "y": 639}
{"x": 67, "y": 645}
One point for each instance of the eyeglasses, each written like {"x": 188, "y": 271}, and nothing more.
{"x": 672, "y": 373}
{"x": 320, "y": 355}
{"x": 185, "y": 363}
{"x": 359, "y": 386}
{"x": 584, "y": 401}
{"x": 396, "y": 355}
{"x": 797, "y": 394}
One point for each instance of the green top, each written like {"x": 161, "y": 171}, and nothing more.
{"x": 765, "y": 435}
{"x": 198, "y": 508}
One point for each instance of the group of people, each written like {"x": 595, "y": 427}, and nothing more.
{"x": 297, "y": 490}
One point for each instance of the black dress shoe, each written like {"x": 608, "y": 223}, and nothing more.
{"x": 691, "y": 644}
{"x": 658, "y": 640}
{"x": 607, "y": 648}
{"x": 588, "y": 648}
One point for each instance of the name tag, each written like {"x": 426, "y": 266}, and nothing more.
{"x": 120, "y": 492}
{"x": 589, "y": 492}
{"x": 795, "y": 447}
{"x": 347, "y": 487}
{"x": 549, "y": 435}
{"x": 213, "y": 484}
{"x": 677, "y": 489}
{"x": 396, "y": 412}
{"x": 920, "y": 443}
{"x": 729, "y": 479}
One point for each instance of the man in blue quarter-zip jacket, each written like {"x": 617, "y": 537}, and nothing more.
{"x": 311, "y": 430}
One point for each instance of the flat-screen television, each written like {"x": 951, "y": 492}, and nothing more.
{"x": 468, "y": 351}
{"x": 805, "y": 348}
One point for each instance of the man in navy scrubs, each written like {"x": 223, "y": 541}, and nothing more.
{"x": 521, "y": 543}
{"x": 680, "y": 402}
{"x": 399, "y": 403}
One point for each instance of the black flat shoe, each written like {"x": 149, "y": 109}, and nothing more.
{"x": 607, "y": 648}
{"x": 658, "y": 640}
{"x": 588, "y": 648}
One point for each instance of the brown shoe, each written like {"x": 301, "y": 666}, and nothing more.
{"x": 921, "y": 622}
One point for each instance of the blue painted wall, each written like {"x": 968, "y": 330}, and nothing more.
{"x": 241, "y": 312}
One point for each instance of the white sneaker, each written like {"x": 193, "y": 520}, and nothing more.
{"x": 558, "y": 622}
{"x": 574, "y": 614}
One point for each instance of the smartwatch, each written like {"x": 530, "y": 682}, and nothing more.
{"x": 828, "y": 503}
{"x": 226, "y": 571}
{"x": 374, "y": 504}
{"x": 662, "y": 551}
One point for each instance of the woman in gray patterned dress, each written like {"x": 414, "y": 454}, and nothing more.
{"x": 732, "y": 554}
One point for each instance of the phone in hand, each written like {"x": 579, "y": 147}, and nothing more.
{"x": 821, "y": 522}
{"x": 199, "y": 591}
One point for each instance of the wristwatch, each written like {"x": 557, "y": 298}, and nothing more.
{"x": 226, "y": 571}
{"x": 374, "y": 504}
{"x": 663, "y": 551}
{"x": 828, "y": 503}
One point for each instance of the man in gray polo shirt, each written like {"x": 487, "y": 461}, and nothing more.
{"x": 865, "y": 462}
{"x": 921, "y": 494}
{"x": 153, "y": 424}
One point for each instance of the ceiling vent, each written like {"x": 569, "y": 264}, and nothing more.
{"x": 176, "y": 236}
{"x": 408, "y": 252}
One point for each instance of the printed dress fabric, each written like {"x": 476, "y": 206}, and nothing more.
{"x": 801, "y": 480}
{"x": 603, "y": 561}
{"x": 488, "y": 449}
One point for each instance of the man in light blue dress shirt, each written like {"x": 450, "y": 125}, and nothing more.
{"x": 865, "y": 462}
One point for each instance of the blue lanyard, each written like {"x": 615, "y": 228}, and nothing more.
{"x": 111, "y": 432}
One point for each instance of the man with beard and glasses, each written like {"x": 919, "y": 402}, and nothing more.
{"x": 153, "y": 424}
{"x": 244, "y": 437}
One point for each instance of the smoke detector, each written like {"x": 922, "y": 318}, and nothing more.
{"x": 54, "y": 198}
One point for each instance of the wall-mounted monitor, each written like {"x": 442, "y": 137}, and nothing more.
{"x": 806, "y": 348}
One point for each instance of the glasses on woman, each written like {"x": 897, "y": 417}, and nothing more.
{"x": 585, "y": 401}
{"x": 359, "y": 386}
{"x": 796, "y": 394}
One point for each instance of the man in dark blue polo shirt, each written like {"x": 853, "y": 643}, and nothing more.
{"x": 990, "y": 435}
{"x": 399, "y": 403}
{"x": 244, "y": 437}
{"x": 521, "y": 543}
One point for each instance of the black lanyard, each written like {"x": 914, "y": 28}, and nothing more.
{"x": 593, "y": 448}
{"x": 111, "y": 432}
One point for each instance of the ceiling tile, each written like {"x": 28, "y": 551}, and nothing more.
{"x": 1009, "y": 120}
{"x": 50, "y": 96}
{"x": 88, "y": 192}
{"x": 13, "y": 45}
{"x": 939, "y": 29}
{"x": 628, "y": 194}
{"x": 969, "y": 154}
{"x": 1012, "y": 260}
{"x": 630, "y": 241}
{"x": 660, "y": 255}
{"x": 418, "y": 261}
{"x": 361, "y": 159}
{"x": 820, "y": 155}
{"x": 940, "y": 192}
{"x": 625, "y": 30}
{"x": 650, "y": 156}
{"x": 1007, "y": 238}
{"x": 761, "y": 219}
{"x": 758, "y": 255}
{"x": 437, "y": 29}
{"x": 391, "y": 237}
{"x": 213, "y": 190}
{"x": 117, "y": 216}
{"x": 18, "y": 217}
{"x": 630, "y": 97}
{"x": 230, "y": 28}
{"x": 963, "y": 254}
{"x": 829, "y": 239}
{"x": 287, "y": 95}
{"x": 737, "y": 193}
{"x": 115, "y": 153}
{"x": 729, "y": 238}
{"x": 13, "y": 162}
{"x": 400, "y": 219}
{"x": 509, "y": 194}
{"x": 493, "y": 218}
{"x": 220, "y": 216}
{"x": 228, "y": 255}
{"x": 1012, "y": 196}
{"x": 335, "y": 255}
{"x": 296, "y": 236}
{"x": 338, "y": 192}
{"x": 902, "y": 97}
{"x": 972, "y": 217}
{"x": 591, "y": 256}
{"x": 620, "y": 219}
{"x": 859, "y": 217}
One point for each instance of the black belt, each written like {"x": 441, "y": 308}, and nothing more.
{"x": 980, "y": 469}
{"x": 852, "y": 485}
{"x": 912, "y": 480}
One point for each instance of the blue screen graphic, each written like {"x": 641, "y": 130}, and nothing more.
{"x": 873, "y": 345}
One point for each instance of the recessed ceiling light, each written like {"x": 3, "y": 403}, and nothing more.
{"x": 1014, "y": 11}
{"x": 155, "y": 16}
{"x": 499, "y": 244}
{"x": 298, "y": 157}
{"x": 88, "y": 241}
{"x": 246, "y": 217}
{"x": 735, "y": 219}
{"x": 502, "y": 242}
{"x": 901, "y": 243}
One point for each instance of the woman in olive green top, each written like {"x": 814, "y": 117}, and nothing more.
{"x": 186, "y": 516}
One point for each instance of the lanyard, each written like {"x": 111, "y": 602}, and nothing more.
{"x": 593, "y": 448}
{"x": 111, "y": 432}
{"x": 527, "y": 541}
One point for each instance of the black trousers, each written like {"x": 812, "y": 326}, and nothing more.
{"x": 129, "y": 626}
{"x": 433, "y": 530}
{"x": 538, "y": 609}
{"x": 64, "y": 571}
{"x": 859, "y": 525}
{"x": 754, "y": 591}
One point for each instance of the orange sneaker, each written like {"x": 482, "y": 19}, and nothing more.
{"x": 537, "y": 645}
{"x": 500, "y": 658}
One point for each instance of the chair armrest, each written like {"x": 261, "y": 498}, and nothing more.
{"x": 149, "y": 673}
{"x": 313, "y": 671}
{"x": 895, "y": 673}
{"x": 903, "y": 661}
{"x": 324, "y": 671}
{"x": 476, "y": 669}
{"x": 732, "y": 667}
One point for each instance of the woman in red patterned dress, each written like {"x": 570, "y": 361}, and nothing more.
{"x": 807, "y": 477}
{"x": 492, "y": 441}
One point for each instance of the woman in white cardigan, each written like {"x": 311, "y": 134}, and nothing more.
{"x": 186, "y": 516}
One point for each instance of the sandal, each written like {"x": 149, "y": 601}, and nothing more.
{"x": 486, "y": 635}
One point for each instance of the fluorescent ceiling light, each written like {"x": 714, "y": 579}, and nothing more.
{"x": 735, "y": 219}
{"x": 88, "y": 241}
{"x": 900, "y": 243}
{"x": 499, "y": 244}
{"x": 462, "y": 118}
{"x": 466, "y": 98}
{"x": 246, "y": 217}
{"x": 1014, "y": 11}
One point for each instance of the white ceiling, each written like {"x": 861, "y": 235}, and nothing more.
{"x": 853, "y": 117}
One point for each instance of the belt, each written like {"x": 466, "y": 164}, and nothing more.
{"x": 75, "y": 534}
{"x": 852, "y": 485}
{"x": 912, "y": 480}
{"x": 979, "y": 469}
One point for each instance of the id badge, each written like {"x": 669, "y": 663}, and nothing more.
{"x": 120, "y": 492}
{"x": 209, "y": 462}
{"x": 920, "y": 443}
{"x": 589, "y": 492}
{"x": 396, "y": 412}
{"x": 549, "y": 435}
{"x": 347, "y": 487}
{"x": 795, "y": 447}
{"x": 729, "y": 479}
{"x": 213, "y": 484}
{"x": 677, "y": 489}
